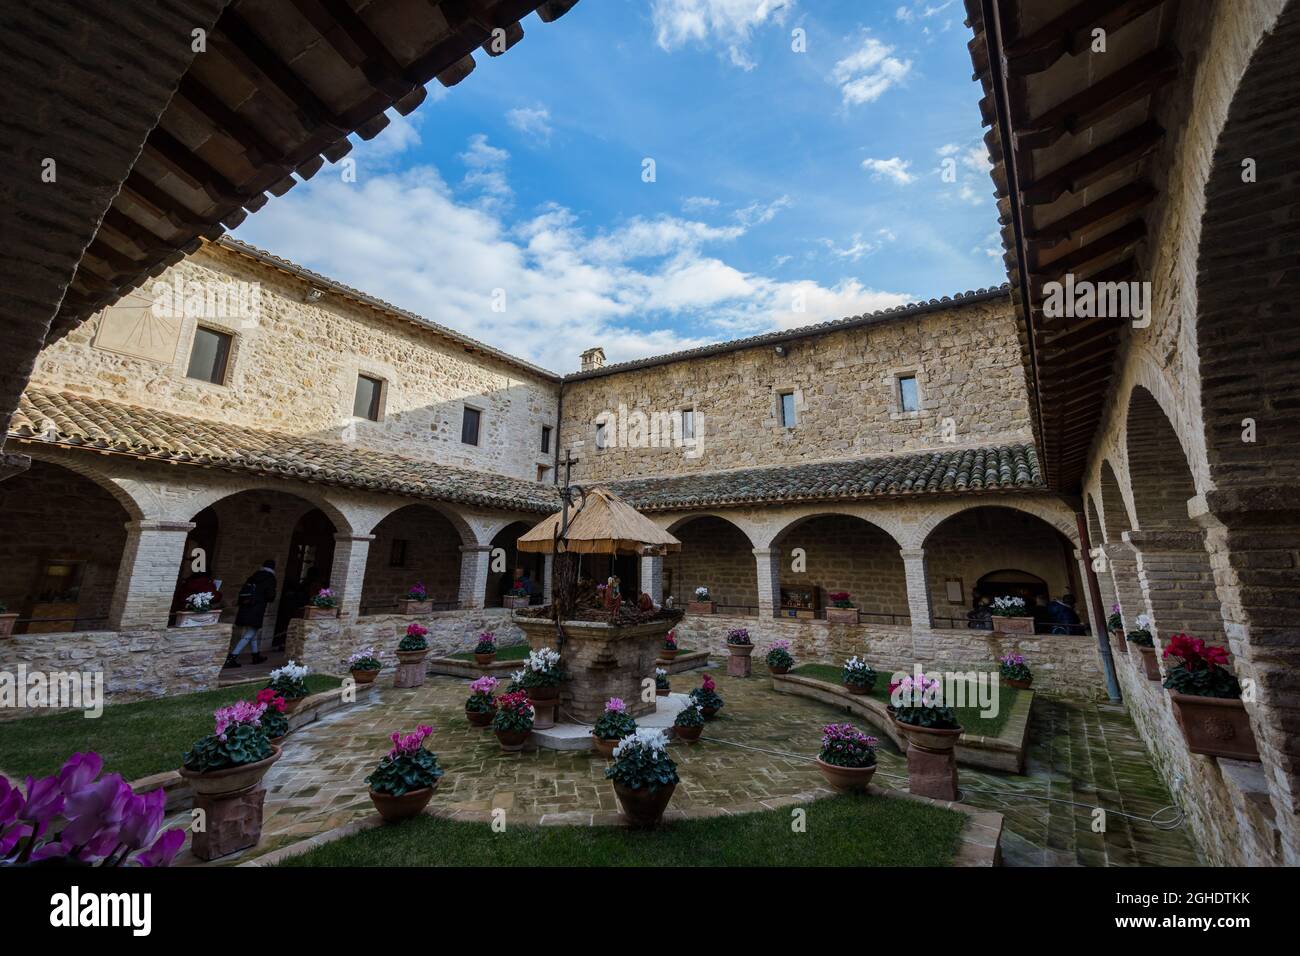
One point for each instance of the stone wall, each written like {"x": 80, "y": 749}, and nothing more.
{"x": 966, "y": 360}
{"x": 717, "y": 555}
{"x": 845, "y": 554}
{"x": 430, "y": 554}
{"x": 324, "y": 645}
{"x": 294, "y": 369}
{"x": 1061, "y": 664}
{"x": 135, "y": 664}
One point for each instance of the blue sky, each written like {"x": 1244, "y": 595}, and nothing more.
{"x": 789, "y": 187}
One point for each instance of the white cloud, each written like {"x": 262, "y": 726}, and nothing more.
{"x": 534, "y": 122}
{"x": 865, "y": 75}
{"x": 758, "y": 213}
{"x": 485, "y": 171}
{"x": 730, "y": 23}
{"x": 903, "y": 14}
{"x": 699, "y": 203}
{"x": 645, "y": 286}
{"x": 893, "y": 168}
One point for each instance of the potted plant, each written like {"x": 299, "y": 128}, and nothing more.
{"x": 480, "y": 707}
{"x": 703, "y": 603}
{"x": 416, "y": 600}
{"x": 275, "y": 720}
{"x": 1207, "y": 700}
{"x": 290, "y": 682}
{"x": 779, "y": 659}
{"x": 841, "y": 609}
{"x": 1141, "y": 639}
{"x": 232, "y": 759}
{"x": 6, "y": 621}
{"x": 513, "y": 721}
{"x": 411, "y": 652}
{"x": 739, "y": 643}
{"x": 485, "y": 651}
{"x": 614, "y": 724}
{"x": 324, "y": 603}
{"x": 199, "y": 611}
{"x": 542, "y": 676}
{"x": 364, "y": 666}
{"x": 707, "y": 696}
{"x": 1009, "y": 616}
{"x": 848, "y": 757}
{"x": 403, "y": 783}
{"x": 1115, "y": 624}
{"x": 644, "y": 776}
{"x": 662, "y": 687}
{"x": 72, "y": 818}
{"x": 669, "y": 650}
{"x": 920, "y": 714}
{"x": 689, "y": 723}
{"x": 518, "y": 597}
{"x": 1015, "y": 672}
{"x": 858, "y": 676}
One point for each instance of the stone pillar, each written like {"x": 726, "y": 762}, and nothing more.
{"x": 146, "y": 578}
{"x": 548, "y": 576}
{"x": 918, "y": 588}
{"x": 348, "y": 572}
{"x": 1173, "y": 569}
{"x": 1124, "y": 575}
{"x": 932, "y": 773}
{"x": 652, "y": 577}
{"x": 769, "y": 580}
{"x": 474, "y": 562}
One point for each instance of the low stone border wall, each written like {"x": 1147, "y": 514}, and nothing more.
{"x": 980, "y": 838}
{"x": 1005, "y": 752}
{"x": 685, "y": 661}
{"x": 470, "y": 670}
{"x": 1066, "y": 664}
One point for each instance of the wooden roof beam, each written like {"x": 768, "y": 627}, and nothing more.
{"x": 1070, "y": 33}
{"x": 1100, "y": 249}
{"x": 1095, "y": 165}
{"x": 1111, "y": 207}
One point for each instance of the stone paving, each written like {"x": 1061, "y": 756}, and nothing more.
{"x": 1080, "y": 752}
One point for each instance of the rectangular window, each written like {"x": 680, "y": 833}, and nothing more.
{"x": 907, "y": 396}
{"x": 788, "y": 417}
{"x": 209, "y": 356}
{"x": 543, "y": 472}
{"x": 397, "y": 554}
{"x": 546, "y": 439}
{"x": 688, "y": 423}
{"x": 469, "y": 426}
{"x": 366, "y": 402}
{"x": 600, "y": 434}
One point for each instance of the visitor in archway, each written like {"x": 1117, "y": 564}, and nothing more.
{"x": 1042, "y": 615}
{"x": 980, "y": 617}
{"x": 258, "y": 591}
{"x": 1062, "y": 616}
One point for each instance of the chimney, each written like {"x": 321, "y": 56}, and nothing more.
{"x": 593, "y": 359}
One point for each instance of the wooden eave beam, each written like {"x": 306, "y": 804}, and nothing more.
{"x": 1108, "y": 209}
{"x": 1104, "y": 247}
{"x": 1095, "y": 165}
{"x": 1070, "y": 33}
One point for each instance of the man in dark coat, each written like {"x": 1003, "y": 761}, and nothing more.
{"x": 258, "y": 591}
{"x": 1064, "y": 619}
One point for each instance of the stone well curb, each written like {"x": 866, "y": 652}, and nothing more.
{"x": 1005, "y": 752}
{"x": 979, "y": 845}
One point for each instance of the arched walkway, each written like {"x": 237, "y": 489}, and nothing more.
{"x": 841, "y": 553}
{"x": 500, "y": 582}
{"x": 715, "y": 554}
{"x": 416, "y": 543}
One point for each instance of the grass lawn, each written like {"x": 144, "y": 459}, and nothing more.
{"x": 841, "y": 831}
{"x": 968, "y": 717}
{"x": 515, "y": 652}
{"x": 135, "y": 739}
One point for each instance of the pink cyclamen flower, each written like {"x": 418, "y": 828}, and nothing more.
{"x": 484, "y": 685}
{"x": 615, "y": 705}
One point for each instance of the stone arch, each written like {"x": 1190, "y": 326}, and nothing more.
{"x": 412, "y": 542}
{"x": 135, "y": 500}
{"x": 1160, "y": 478}
{"x": 211, "y": 495}
{"x": 1050, "y": 510}
{"x": 843, "y": 552}
{"x": 505, "y": 538}
{"x": 1114, "y": 510}
{"x": 716, "y": 553}
{"x": 671, "y": 525}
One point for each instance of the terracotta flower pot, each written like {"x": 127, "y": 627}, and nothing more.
{"x": 846, "y": 779}
{"x": 709, "y": 712}
{"x": 741, "y": 650}
{"x": 394, "y": 809}
{"x": 666, "y": 655}
{"x": 512, "y": 740}
{"x": 1215, "y": 726}
{"x": 364, "y": 677}
{"x": 409, "y": 606}
{"x": 841, "y": 615}
{"x": 291, "y": 704}
{"x": 1150, "y": 664}
{"x": 929, "y": 738}
{"x": 858, "y": 689}
{"x": 412, "y": 657}
{"x": 688, "y": 734}
{"x": 312, "y": 613}
{"x": 604, "y": 747}
{"x": 1118, "y": 635}
{"x": 7, "y": 624}
{"x": 700, "y": 607}
{"x": 197, "y": 618}
{"x": 778, "y": 670}
{"x": 1018, "y": 684}
{"x": 543, "y": 695}
{"x": 644, "y": 808}
{"x": 1013, "y": 625}
{"x": 512, "y": 601}
{"x": 483, "y": 659}
{"x": 232, "y": 780}
{"x": 478, "y": 718}
{"x": 662, "y": 691}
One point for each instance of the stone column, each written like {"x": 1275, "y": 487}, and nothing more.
{"x": 348, "y": 572}
{"x": 548, "y": 576}
{"x": 474, "y": 562}
{"x": 1173, "y": 569}
{"x": 918, "y": 588}
{"x": 1124, "y": 575}
{"x": 769, "y": 580}
{"x": 146, "y": 578}
{"x": 652, "y": 577}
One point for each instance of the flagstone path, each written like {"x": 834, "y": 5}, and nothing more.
{"x": 1080, "y": 752}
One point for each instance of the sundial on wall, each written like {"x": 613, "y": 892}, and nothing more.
{"x": 131, "y": 328}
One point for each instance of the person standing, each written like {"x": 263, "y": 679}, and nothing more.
{"x": 258, "y": 592}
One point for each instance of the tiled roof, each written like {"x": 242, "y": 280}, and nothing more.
{"x": 1000, "y": 468}
{"x": 103, "y": 425}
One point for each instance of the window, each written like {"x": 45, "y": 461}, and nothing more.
{"x": 209, "y": 356}
{"x": 469, "y": 426}
{"x": 788, "y": 417}
{"x": 543, "y": 472}
{"x": 907, "y": 395}
{"x": 546, "y": 439}
{"x": 688, "y": 424}
{"x": 397, "y": 554}
{"x": 366, "y": 402}
{"x": 600, "y": 434}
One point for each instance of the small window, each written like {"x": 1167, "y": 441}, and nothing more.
{"x": 469, "y": 426}
{"x": 366, "y": 402}
{"x": 788, "y": 417}
{"x": 543, "y": 472}
{"x": 688, "y": 423}
{"x": 209, "y": 356}
{"x": 397, "y": 553}
{"x": 907, "y": 396}
{"x": 600, "y": 434}
{"x": 546, "y": 439}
